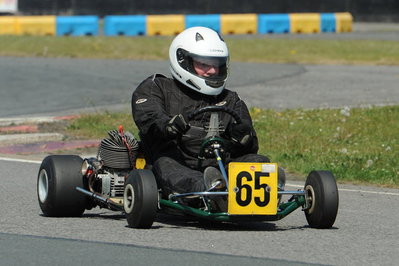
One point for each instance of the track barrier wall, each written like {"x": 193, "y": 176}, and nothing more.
{"x": 273, "y": 23}
{"x": 209, "y": 21}
{"x": 35, "y": 25}
{"x": 170, "y": 25}
{"x": 8, "y": 25}
{"x": 77, "y": 25}
{"x": 125, "y": 25}
{"x": 239, "y": 24}
{"x": 344, "y": 22}
{"x": 328, "y": 22}
{"x": 166, "y": 25}
{"x": 305, "y": 23}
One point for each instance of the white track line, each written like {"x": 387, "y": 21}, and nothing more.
{"x": 19, "y": 160}
{"x": 354, "y": 190}
{"x": 370, "y": 192}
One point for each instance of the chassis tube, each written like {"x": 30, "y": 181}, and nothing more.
{"x": 173, "y": 197}
{"x": 103, "y": 200}
{"x": 221, "y": 167}
{"x": 284, "y": 210}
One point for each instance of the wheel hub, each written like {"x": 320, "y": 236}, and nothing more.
{"x": 43, "y": 185}
{"x": 310, "y": 199}
{"x": 128, "y": 198}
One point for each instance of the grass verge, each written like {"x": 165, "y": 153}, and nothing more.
{"x": 256, "y": 49}
{"x": 357, "y": 145}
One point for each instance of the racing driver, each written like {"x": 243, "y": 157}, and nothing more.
{"x": 199, "y": 64}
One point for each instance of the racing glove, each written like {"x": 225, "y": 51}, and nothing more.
{"x": 241, "y": 134}
{"x": 177, "y": 126}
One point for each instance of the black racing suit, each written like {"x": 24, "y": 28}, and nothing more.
{"x": 155, "y": 101}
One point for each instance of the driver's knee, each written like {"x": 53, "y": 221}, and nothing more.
{"x": 174, "y": 177}
{"x": 162, "y": 162}
{"x": 162, "y": 168}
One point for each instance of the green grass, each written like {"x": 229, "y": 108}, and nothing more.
{"x": 256, "y": 49}
{"x": 96, "y": 125}
{"x": 85, "y": 47}
{"x": 361, "y": 144}
{"x": 357, "y": 145}
{"x": 315, "y": 51}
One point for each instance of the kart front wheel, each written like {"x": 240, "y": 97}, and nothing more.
{"x": 140, "y": 198}
{"x": 322, "y": 199}
{"x": 58, "y": 177}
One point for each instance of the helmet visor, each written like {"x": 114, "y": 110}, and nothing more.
{"x": 211, "y": 68}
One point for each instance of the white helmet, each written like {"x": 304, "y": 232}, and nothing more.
{"x": 203, "y": 45}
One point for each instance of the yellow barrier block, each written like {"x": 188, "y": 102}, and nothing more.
{"x": 167, "y": 25}
{"x": 7, "y": 25}
{"x": 36, "y": 25}
{"x": 239, "y": 23}
{"x": 305, "y": 22}
{"x": 343, "y": 22}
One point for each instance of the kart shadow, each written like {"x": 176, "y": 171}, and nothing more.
{"x": 104, "y": 215}
{"x": 192, "y": 223}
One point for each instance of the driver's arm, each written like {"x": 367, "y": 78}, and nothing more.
{"x": 244, "y": 135}
{"x": 148, "y": 109}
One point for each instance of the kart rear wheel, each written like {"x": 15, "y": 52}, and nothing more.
{"x": 322, "y": 197}
{"x": 140, "y": 199}
{"x": 58, "y": 177}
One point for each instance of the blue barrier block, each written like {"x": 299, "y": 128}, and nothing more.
{"x": 77, "y": 25}
{"x": 210, "y": 21}
{"x": 328, "y": 22}
{"x": 273, "y": 23}
{"x": 125, "y": 25}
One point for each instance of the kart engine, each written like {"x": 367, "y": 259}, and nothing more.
{"x": 116, "y": 157}
{"x": 112, "y": 183}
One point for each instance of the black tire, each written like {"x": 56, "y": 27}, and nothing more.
{"x": 140, "y": 199}
{"x": 322, "y": 196}
{"x": 58, "y": 177}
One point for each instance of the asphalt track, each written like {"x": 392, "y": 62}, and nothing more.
{"x": 365, "y": 231}
{"x": 33, "y": 86}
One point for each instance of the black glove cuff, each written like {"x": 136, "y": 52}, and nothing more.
{"x": 177, "y": 126}
{"x": 241, "y": 134}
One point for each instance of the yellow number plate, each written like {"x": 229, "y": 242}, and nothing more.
{"x": 252, "y": 188}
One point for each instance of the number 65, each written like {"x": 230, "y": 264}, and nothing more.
{"x": 244, "y": 194}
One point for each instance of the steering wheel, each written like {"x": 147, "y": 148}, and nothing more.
{"x": 215, "y": 108}
{"x": 212, "y": 139}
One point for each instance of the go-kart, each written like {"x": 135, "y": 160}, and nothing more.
{"x": 121, "y": 179}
